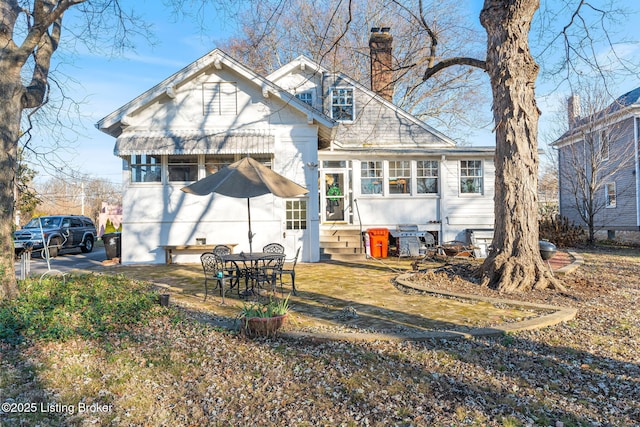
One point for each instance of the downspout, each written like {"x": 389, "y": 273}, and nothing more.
{"x": 636, "y": 133}
{"x": 441, "y": 204}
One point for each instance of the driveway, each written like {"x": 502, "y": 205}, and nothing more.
{"x": 68, "y": 260}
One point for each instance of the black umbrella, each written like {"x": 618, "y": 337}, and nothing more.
{"x": 246, "y": 178}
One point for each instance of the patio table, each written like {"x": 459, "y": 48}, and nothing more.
{"x": 247, "y": 265}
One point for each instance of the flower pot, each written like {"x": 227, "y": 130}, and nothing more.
{"x": 262, "y": 326}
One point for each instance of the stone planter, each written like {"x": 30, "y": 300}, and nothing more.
{"x": 261, "y": 326}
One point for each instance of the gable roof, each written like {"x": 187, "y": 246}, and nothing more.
{"x": 623, "y": 103}
{"x": 304, "y": 62}
{"x": 113, "y": 123}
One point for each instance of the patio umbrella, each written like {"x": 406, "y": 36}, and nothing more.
{"x": 246, "y": 178}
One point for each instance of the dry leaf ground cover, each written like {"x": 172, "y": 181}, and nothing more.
{"x": 179, "y": 371}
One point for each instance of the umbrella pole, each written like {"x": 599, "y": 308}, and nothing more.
{"x": 250, "y": 233}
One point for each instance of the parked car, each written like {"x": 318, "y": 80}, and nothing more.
{"x": 58, "y": 232}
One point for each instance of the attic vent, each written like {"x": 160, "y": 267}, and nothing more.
{"x": 220, "y": 99}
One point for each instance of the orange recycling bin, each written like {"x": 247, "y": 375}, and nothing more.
{"x": 379, "y": 241}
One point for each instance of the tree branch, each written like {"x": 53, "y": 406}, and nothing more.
{"x": 445, "y": 63}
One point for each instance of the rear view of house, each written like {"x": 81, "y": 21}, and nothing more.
{"x": 366, "y": 162}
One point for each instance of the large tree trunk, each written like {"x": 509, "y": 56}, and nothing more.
{"x": 10, "y": 93}
{"x": 514, "y": 264}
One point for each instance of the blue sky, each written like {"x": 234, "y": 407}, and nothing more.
{"x": 105, "y": 83}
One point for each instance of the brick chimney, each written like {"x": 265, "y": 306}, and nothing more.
{"x": 381, "y": 72}
{"x": 573, "y": 110}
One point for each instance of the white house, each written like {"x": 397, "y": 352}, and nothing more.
{"x": 366, "y": 163}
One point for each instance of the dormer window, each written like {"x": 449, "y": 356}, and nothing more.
{"x": 306, "y": 97}
{"x": 342, "y": 104}
{"x": 220, "y": 98}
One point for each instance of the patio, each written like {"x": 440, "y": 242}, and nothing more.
{"x": 358, "y": 299}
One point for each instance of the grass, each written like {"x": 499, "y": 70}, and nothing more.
{"x": 103, "y": 340}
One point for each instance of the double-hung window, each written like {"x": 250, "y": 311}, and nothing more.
{"x": 471, "y": 176}
{"x": 371, "y": 177}
{"x": 342, "y": 104}
{"x": 427, "y": 176}
{"x": 146, "y": 168}
{"x": 604, "y": 145}
{"x": 399, "y": 176}
{"x": 610, "y": 195}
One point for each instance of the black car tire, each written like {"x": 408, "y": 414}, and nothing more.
{"x": 87, "y": 245}
{"x": 54, "y": 246}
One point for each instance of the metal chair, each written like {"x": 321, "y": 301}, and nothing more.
{"x": 221, "y": 250}
{"x": 273, "y": 248}
{"x": 214, "y": 269}
{"x": 290, "y": 271}
{"x": 267, "y": 271}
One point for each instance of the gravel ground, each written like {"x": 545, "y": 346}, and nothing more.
{"x": 180, "y": 373}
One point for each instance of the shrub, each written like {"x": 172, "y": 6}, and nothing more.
{"x": 559, "y": 231}
{"x": 89, "y": 305}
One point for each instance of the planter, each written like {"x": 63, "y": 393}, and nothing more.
{"x": 262, "y": 326}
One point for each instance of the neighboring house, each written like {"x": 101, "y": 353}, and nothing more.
{"x": 366, "y": 162}
{"x": 109, "y": 213}
{"x": 599, "y": 170}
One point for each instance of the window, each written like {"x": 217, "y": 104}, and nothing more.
{"x": 399, "y": 176}
{"x": 371, "y": 177}
{"x": 219, "y": 98}
{"x": 471, "y": 177}
{"x": 342, "y": 104}
{"x": 604, "y": 145}
{"x": 610, "y": 195}
{"x": 213, "y": 164}
{"x": 146, "y": 168}
{"x": 296, "y": 212}
{"x": 306, "y": 97}
{"x": 183, "y": 168}
{"x": 427, "y": 176}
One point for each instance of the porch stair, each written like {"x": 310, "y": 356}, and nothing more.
{"x": 341, "y": 244}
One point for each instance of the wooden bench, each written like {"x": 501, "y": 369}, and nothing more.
{"x": 169, "y": 250}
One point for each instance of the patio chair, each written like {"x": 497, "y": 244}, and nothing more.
{"x": 223, "y": 250}
{"x": 273, "y": 248}
{"x": 214, "y": 269}
{"x": 267, "y": 271}
{"x": 290, "y": 271}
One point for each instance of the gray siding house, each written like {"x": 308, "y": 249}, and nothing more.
{"x": 599, "y": 169}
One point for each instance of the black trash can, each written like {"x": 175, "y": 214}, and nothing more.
{"x": 112, "y": 244}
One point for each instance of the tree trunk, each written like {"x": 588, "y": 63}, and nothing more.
{"x": 514, "y": 264}
{"x": 11, "y": 91}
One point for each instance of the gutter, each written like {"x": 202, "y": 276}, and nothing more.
{"x": 636, "y": 135}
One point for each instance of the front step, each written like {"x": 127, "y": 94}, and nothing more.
{"x": 341, "y": 244}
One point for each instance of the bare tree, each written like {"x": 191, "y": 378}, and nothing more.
{"x": 30, "y": 33}
{"x": 64, "y": 194}
{"x": 594, "y": 154}
{"x": 514, "y": 263}
{"x": 335, "y": 34}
